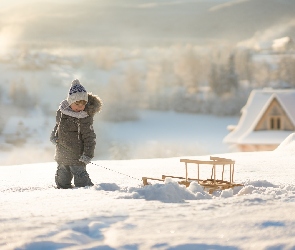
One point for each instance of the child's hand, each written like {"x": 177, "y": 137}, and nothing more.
{"x": 54, "y": 140}
{"x": 86, "y": 159}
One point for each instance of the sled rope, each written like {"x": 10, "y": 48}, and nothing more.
{"x": 115, "y": 171}
{"x": 102, "y": 166}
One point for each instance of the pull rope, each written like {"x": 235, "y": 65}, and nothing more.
{"x": 102, "y": 166}
{"x": 115, "y": 171}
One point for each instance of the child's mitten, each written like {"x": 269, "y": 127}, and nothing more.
{"x": 54, "y": 140}
{"x": 86, "y": 159}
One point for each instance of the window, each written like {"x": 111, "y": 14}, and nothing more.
{"x": 278, "y": 123}
{"x": 275, "y": 123}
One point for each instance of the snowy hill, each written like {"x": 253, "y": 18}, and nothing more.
{"x": 118, "y": 213}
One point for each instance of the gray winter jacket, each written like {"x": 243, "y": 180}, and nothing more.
{"x": 74, "y": 132}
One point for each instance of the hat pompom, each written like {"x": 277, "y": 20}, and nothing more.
{"x": 76, "y": 82}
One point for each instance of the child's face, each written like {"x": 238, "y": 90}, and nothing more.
{"x": 78, "y": 106}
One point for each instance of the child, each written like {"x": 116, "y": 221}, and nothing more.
{"x": 74, "y": 136}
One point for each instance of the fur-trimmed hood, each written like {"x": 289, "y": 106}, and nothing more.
{"x": 93, "y": 105}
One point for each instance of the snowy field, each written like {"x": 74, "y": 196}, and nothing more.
{"x": 155, "y": 134}
{"x": 160, "y": 134}
{"x": 118, "y": 213}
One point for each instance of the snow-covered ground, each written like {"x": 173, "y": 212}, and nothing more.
{"x": 119, "y": 213}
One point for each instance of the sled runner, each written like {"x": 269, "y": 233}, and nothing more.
{"x": 211, "y": 184}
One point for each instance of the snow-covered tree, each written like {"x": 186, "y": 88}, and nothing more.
{"x": 223, "y": 78}
{"x": 188, "y": 67}
{"x": 21, "y": 96}
{"x": 286, "y": 70}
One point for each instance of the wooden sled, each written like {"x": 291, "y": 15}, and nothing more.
{"x": 212, "y": 184}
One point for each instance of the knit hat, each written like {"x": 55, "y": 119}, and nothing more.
{"x": 77, "y": 92}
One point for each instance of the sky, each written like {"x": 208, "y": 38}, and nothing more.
{"x": 138, "y": 22}
{"x": 4, "y": 3}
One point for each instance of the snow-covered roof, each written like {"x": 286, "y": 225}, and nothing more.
{"x": 275, "y": 45}
{"x": 252, "y": 112}
{"x": 265, "y": 137}
{"x": 281, "y": 43}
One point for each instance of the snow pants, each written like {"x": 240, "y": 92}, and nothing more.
{"x": 64, "y": 175}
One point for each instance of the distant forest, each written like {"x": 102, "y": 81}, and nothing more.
{"x": 181, "y": 78}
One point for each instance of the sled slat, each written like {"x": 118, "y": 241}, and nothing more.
{"x": 207, "y": 162}
{"x": 178, "y": 177}
{"x": 212, "y": 184}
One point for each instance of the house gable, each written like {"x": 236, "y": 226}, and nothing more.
{"x": 254, "y": 126}
{"x": 274, "y": 118}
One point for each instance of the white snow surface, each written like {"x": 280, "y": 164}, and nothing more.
{"x": 119, "y": 213}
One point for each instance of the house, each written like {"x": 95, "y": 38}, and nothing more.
{"x": 280, "y": 45}
{"x": 283, "y": 44}
{"x": 266, "y": 120}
